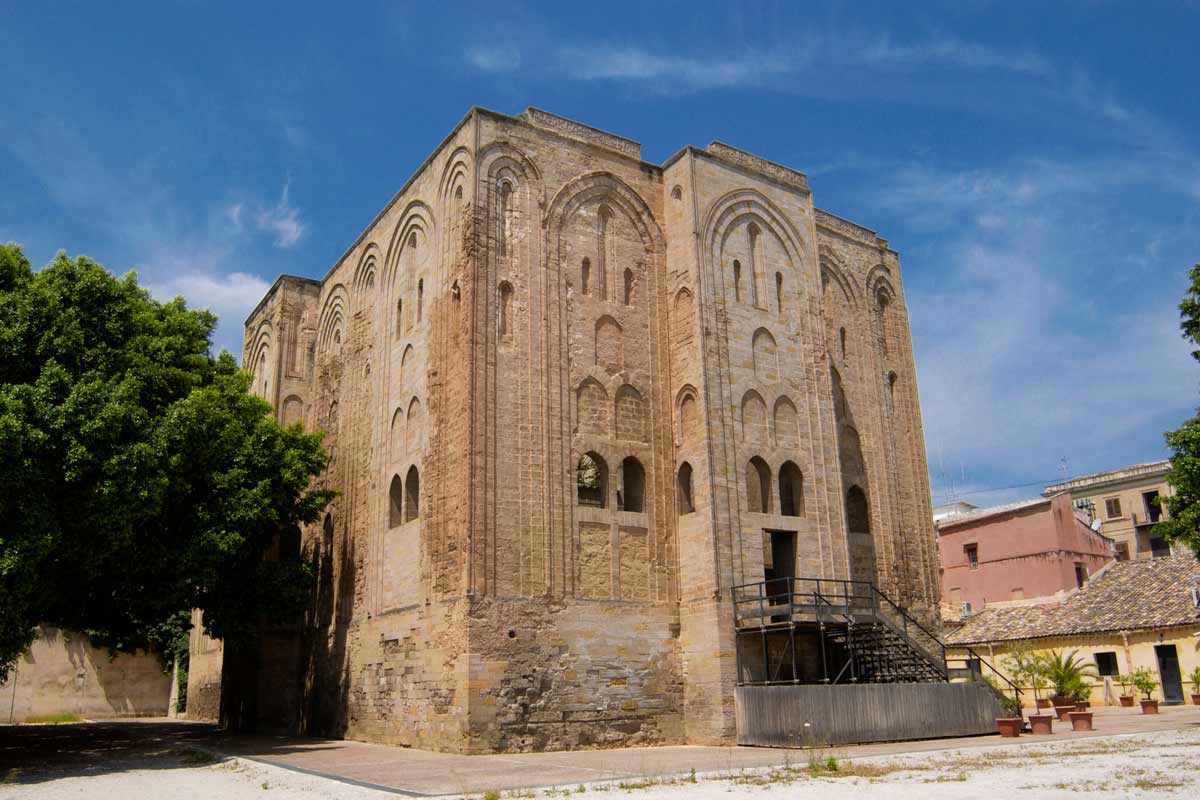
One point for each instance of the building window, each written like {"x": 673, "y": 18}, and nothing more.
{"x": 1153, "y": 510}
{"x": 686, "y": 504}
{"x": 1112, "y": 507}
{"x": 1081, "y": 574}
{"x": 396, "y": 502}
{"x": 1159, "y": 548}
{"x": 585, "y": 275}
{"x": 633, "y": 486}
{"x": 506, "y": 312}
{"x": 791, "y": 490}
{"x": 972, "y": 553}
{"x": 737, "y": 280}
{"x": 591, "y": 480}
{"x": 1122, "y": 551}
{"x": 1106, "y": 664}
{"x": 412, "y": 494}
{"x": 758, "y": 486}
{"x": 628, "y": 287}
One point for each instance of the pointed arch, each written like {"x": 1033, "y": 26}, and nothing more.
{"x": 414, "y": 433}
{"x": 416, "y": 220}
{"x": 407, "y": 363}
{"x": 791, "y": 490}
{"x": 766, "y": 356}
{"x": 608, "y": 344}
{"x": 632, "y": 496}
{"x": 758, "y": 486}
{"x": 787, "y": 425}
{"x": 602, "y": 186}
{"x": 754, "y": 417}
{"x": 412, "y": 494}
{"x": 685, "y": 501}
{"x": 591, "y": 409}
{"x": 689, "y": 416}
{"x": 630, "y": 415}
{"x": 591, "y": 480}
{"x": 395, "y": 502}
{"x": 366, "y": 274}
{"x": 396, "y": 435}
{"x": 332, "y": 322}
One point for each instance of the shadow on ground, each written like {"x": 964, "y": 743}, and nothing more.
{"x": 38, "y": 753}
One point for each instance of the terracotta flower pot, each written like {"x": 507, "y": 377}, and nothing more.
{"x": 1010, "y": 727}
{"x": 1062, "y": 711}
{"x": 1081, "y": 720}
{"x": 1149, "y": 706}
{"x": 1127, "y": 701}
{"x": 1041, "y": 724}
{"x": 1044, "y": 702}
{"x": 1196, "y": 698}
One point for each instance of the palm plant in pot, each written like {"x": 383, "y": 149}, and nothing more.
{"x": 1126, "y": 682}
{"x": 1143, "y": 681}
{"x": 1066, "y": 672}
{"x": 1195, "y": 679}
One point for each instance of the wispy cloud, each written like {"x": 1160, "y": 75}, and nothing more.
{"x": 724, "y": 66}
{"x": 494, "y": 58}
{"x": 282, "y": 220}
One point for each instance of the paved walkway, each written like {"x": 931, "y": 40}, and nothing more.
{"x": 422, "y": 773}
{"x": 44, "y": 752}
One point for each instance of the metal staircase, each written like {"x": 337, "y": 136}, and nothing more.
{"x": 859, "y": 633}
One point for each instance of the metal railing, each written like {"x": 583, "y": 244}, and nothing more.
{"x": 781, "y": 603}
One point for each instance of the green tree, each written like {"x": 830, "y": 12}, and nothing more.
{"x": 139, "y": 477}
{"x": 1183, "y": 506}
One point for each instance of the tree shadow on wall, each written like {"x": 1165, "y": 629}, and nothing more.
{"x": 324, "y": 656}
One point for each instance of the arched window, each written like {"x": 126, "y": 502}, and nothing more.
{"x": 586, "y": 276}
{"x": 396, "y": 502}
{"x": 505, "y": 311}
{"x": 683, "y": 489}
{"x": 399, "y": 316}
{"x": 755, "y": 263}
{"x": 591, "y": 480}
{"x": 412, "y": 494}
{"x": 628, "y": 287}
{"x": 891, "y": 389}
{"x": 758, "y": 485}
{"x": 676, "y": 193}
{"x": 633, "y": 486}
{"x": 602, "y": 244}
{"x": 737, "y": 280}
{"x": 791, "y": 490}
{"x": 412, "y": 240}
{"x": 420, "y": 297}
{"x": 882, "y": 300}
{"x": 505, "y": 218}
{"x": 858, "y": 516}
{"x": 842, "y": 336}
{"x": 779, "y": 292}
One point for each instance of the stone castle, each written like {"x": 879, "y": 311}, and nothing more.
{"x": 572, "y": 399}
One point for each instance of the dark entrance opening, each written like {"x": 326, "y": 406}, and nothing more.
{"x": 779, "y": 567}
{"x": 1168, "y": 672}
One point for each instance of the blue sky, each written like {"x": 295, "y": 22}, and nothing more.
{"x": 1039, "y": 172}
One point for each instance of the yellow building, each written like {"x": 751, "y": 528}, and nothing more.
{"x": 1124, "y": 502}
{"x": 1141, "y": 613}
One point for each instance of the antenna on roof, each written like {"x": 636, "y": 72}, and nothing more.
{"x": 1063, "y": 467}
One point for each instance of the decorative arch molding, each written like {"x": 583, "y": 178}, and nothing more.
{"x": 603, "y": 187}
{"x": 879, "y": 281}
{"x": 754, "y": 417}
{"x": 835, "y": 271}
{"x": 366, "y": 274}
{"x": 331, "y": 326}
{"x": 786, "y": 424}
{"x": 454, "y": 174}
{"x": 416, "y": 218}
{"x": 687, "y": 412}
{"x": 497, "y": 156}
{"x": 591, "y": 408}
{"x": 747, "y": 205}
{"x": 765, "y": 351}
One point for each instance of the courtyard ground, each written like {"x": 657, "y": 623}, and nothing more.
{"x": 1128, "y": 756}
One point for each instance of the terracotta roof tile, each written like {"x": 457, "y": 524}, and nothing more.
{"x": 1129, "y": 595}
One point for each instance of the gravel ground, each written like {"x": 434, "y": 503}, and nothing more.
{"x": 1161, "y": 765}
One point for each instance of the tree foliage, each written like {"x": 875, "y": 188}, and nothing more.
{"x": 139, "y": 476}
{"x": 1183, "y": 506}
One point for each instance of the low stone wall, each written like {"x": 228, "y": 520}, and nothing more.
{"x": 62, "y": 673}
{"x": 813, "y": 715}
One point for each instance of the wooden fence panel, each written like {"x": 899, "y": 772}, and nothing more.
{"x": 813, "y": 714}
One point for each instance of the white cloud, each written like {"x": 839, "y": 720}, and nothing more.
{"x": 494, "y": 58}
{"x": 282, "y": 220}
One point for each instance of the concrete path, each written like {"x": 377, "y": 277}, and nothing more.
{"x": 422, "y": 773}
{"x": 44, "y": 752}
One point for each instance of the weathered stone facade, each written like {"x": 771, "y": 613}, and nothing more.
{"x": 731, "y": 361}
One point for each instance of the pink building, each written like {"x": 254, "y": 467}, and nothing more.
{"x": 1035, "y": 548}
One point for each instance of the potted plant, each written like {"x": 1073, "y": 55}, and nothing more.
{"x": 1041, "y": 724}
{"x": 1195, "y": 679}
{"x": 1080, "y": 720}
{"x": 1066, "y": 673}
{"x": 1126, "y": 696}
{"x": 1028, "y": 668}
{"x": 1010, "y": 724}
{"x": 1143, "y": 681}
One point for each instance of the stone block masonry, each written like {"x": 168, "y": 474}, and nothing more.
{"x": 571, "y": 397}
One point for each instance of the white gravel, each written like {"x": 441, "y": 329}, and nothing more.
{"x": 1160, "y": 765}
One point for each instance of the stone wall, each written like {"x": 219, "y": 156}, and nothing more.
{"x": 63, "y": 673}
{"x": 569, "y": 397}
